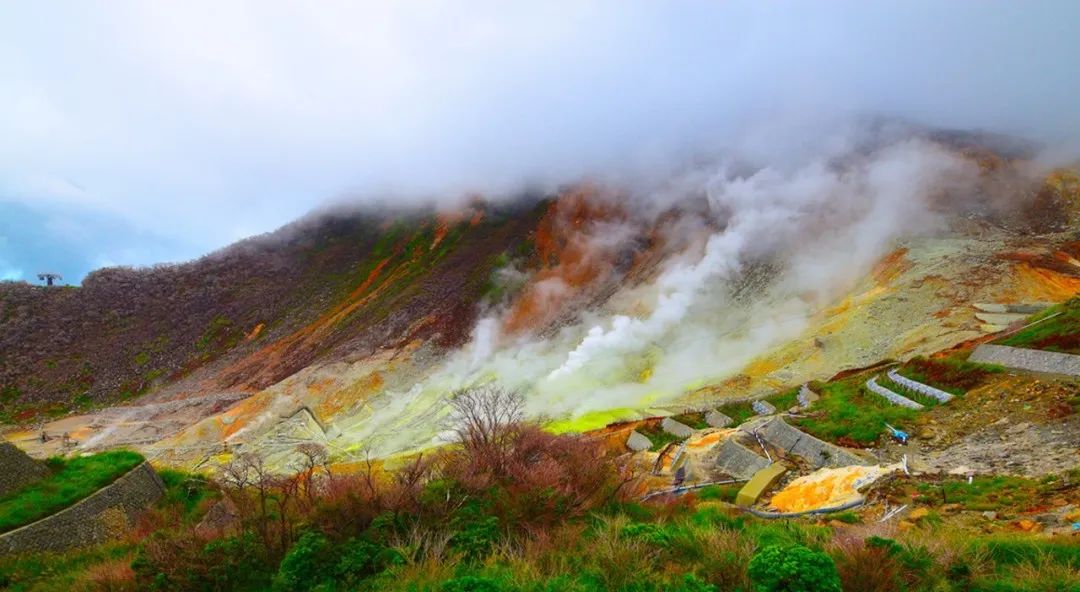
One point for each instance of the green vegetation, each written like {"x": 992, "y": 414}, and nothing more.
{"x": 62, "y": 572}
{"x": 990, "y": 492}
{"x": 658, "y": 437}
{"x": 793, "y": 569}
{"x": 71, "y": 481}
{"x": 515, "y": 509}
{"x": 1056, "y": 329}
{"x": 953, "y": 374}
{"x": 742, "y": 411}
{"x": 850, "y": 414}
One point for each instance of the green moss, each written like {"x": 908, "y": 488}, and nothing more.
{"x": 71, "y": 481}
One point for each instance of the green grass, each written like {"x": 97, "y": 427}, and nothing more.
{"x": 919, "y": 398}
{"x": 953, "y": 374}
{"x": 658, "y": 437}
{"x": 1060, "y": 333}
{"x": 988, "y": 492}
{"x": 71, "y": 481}
{"x": 695, "y": 420}
{"x": 186, "y": 492}
{"x": 848, "y": 411}
{"x": 56, "y": 572}
{"x": 742, "y": 411}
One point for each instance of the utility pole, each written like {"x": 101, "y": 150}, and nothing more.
{"x": 49, "y": 278}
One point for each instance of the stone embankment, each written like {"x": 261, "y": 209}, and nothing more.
{"x": 17, "y": 470}
{"x": 1033, "y": 360}
{"x": 892, "y": 397}
{"x": 105, "y": 515}
{"x": 791, "y": 440}
{"x": 919, "y": 387}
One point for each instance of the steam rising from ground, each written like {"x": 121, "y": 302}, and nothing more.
{"x": 787, "y": 242}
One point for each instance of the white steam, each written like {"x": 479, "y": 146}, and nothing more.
{"x": 790, "y": 241}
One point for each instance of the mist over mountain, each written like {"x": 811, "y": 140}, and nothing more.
{"x": 196, "y": 126}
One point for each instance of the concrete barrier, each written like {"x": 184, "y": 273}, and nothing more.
{"x": 918, "y": 387}
{"x": 105, "y": 515}
{"x": 807, "y": 397}
{"x": 890, "y": 396}
{"x": 818, "y": 453}
{"x": 679, "y": 430}
{"x": 718, "y": 420}
{"x": 1033, "y": 360}
{"x": 738, "y": 461}
{"x": 763, "y": 408}
{"x": 757, "y": 485}
{"x": 638, "y": 441}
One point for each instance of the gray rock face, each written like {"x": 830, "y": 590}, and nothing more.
{"x": 679, "y": 430}
{"x": 739, "y": 461}
{"x": 17, "y": 470}
{"x": 638, "y": 442}
{"x": 1027, "y": 359}
{"x": 718, "y": 420}
{"x": 106, "y": 515}
{"x": 763, "y": 408}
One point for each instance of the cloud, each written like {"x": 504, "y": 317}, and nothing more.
{"x": 205, "y": 121}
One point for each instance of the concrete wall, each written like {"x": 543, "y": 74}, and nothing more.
{"x": 105, "y": 515}
{"x": 1027, "y": 359}
{"x": 739, "y": 461}
{"x": 892, "y": 396}
{"x": 794, "y": 441}
{"x": 17, "y": 470}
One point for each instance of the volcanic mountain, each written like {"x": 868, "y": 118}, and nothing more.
{"x": 599, "y": 302}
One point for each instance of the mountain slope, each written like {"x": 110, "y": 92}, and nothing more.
{"x": 598, "y": 303}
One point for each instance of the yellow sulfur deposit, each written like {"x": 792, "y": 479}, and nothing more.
{"x": 826, "y": 488}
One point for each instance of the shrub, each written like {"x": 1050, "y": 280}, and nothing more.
{"x": 793, "y": 569}
{"x": 476, "y": 532}
{"x": 307, "y": 564}
{"x": 474, "y": 584}
{"x": 361, "y": 558}
{"x": 184, "y": 560}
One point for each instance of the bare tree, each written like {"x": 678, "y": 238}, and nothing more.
{"x": 485, "y": 416}
{"x": 313, "y": 459}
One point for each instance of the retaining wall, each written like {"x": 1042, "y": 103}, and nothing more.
{"x": 105, "y": 515}
{"x": 794, "y": 441}
{"x": 1027, "y": 359}
{"x": 891, "y": 396}
{"x": 17, "y": 470}
{"x": 739, "y": 461}
{"x": 919, "y": 387}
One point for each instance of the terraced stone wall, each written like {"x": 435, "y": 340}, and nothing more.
{"x": 105, "y": 515}
{"x": 17, "y": 470}
{"x": 1027, "y": 359}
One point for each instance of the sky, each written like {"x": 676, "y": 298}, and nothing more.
{"x": 141, "y": 132}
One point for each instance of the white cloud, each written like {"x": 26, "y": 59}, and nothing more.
{"x": 200, "y": 121}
